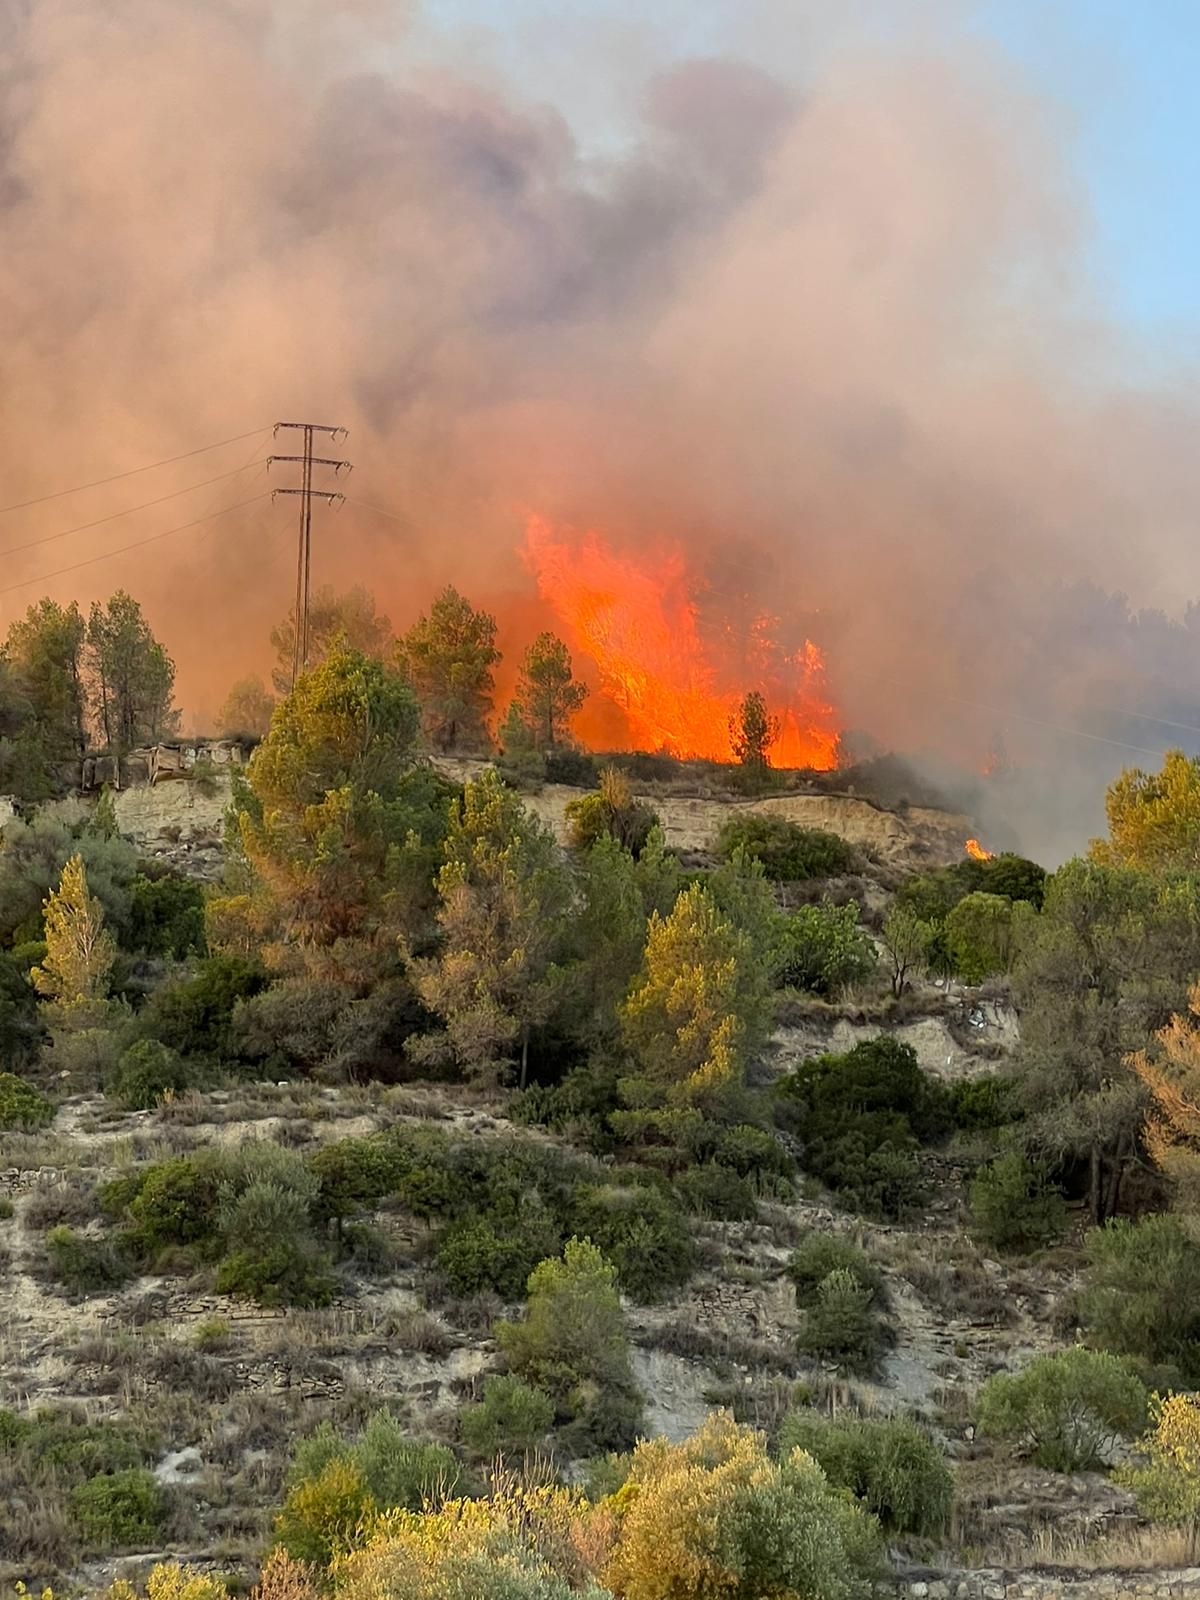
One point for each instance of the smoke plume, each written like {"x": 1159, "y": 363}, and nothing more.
{"x": 828, "y": 327}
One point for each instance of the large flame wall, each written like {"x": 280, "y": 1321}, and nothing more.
{"x": 662, "y": 681}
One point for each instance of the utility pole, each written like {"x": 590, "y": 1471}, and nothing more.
{"x": 307, "y": 461}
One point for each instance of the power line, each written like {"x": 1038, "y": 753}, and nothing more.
{"x": 306, "y": 462}
{"x": 136, "y": 545}
{"x": 20, "y": 505}
{"x": 15, "y": 549}
{"x": 379, "y": 511}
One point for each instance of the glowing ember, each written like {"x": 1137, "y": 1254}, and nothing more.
{"x": 637, "y": 620}
{"x": 976, "y": 851}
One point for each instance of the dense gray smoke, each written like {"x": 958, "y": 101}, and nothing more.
{"x": 827, "y": 327}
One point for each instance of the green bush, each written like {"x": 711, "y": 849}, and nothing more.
{"x": 511, "y": 1419}
{"x": 1065, "y": 1411}
{"x": 573, "y": 1345}
{"x": 889, "y": 1464}
{"x": 166, "y": 915}
{"x": 714, "y": 1190}
{"x": 86, "y": 1263}
{"x": 1141, "y": 1292}
{"x": 57, "y": 1443}
{"x": 641, "y": 1231}
{"x": 841, "y": 1325}
{"x": 169, "y": 1203}
{"x": 195, "y": 1016}
{"x": 402, "y": 1472}
{"x": 983, "y": 934}
{"x": 21, "y": 1031}
{"x": 819, "y": 1254}
{"x": 822, "y": 949}
{"x": 788, "y": 852}
{"x": 610, "y": 813}
{"x": 21, "y": 1106}
{"x": 146, "y": 1073}
{"x": 477, "y": 1254}
{"x": 124, "y": 1510}
{"x": 860, "y": 1116}
{"x": 1013, "y": 1205}
{"x": 981, "y": 1105}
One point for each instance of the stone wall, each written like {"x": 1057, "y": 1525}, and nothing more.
{"x": 994, "y": 1583}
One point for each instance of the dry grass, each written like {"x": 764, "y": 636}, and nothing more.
{"x": 1140, "y": 1549}
{"x": 720, "y": 1351}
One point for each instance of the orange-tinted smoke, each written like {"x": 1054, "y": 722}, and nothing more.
{"x": 636, "y": 619}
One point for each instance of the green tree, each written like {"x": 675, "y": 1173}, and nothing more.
{"x": 573, "y": 1343}
{"x": 906, "y": 942}
{"x": 752, "y": 733}
{"x": 1154, "y": 818}
{"x": 448, "y": 657}
{"x": 547, "y": 694}
{"x": 1108, "y": 961}
{"x": 79, "y": 950}
{"x": 45, "y": 649}
{"x": 348, "y": 619}
{"x": 502, "y": 893}
{"x": 822, "y": 948}
{"x": 697, "y": 1002}
{"x": 132, "y": 676}
{"x": 983, "y": 934}
{"x": 247, "y": 710}
{"x": 612, "y": 810}
{"x": 326, "y": 821}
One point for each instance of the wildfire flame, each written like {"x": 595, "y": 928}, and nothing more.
{"x": 976, "y": 851}
{"x": 636, "y": 618}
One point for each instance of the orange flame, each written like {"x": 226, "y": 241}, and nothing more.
{"x": 976, "y": 851}
{"x": 637, "y": 620}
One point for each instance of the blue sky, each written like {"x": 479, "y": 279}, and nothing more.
{"x": 1126, "y": 74}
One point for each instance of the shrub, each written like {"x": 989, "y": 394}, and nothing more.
{"x": 788, "y": 852}
{"x": 146, "y": 1073}
{"x": 21, "y": 1106}
{"x": 323, "y": 1514}
{"x": 120, "y": 1510}
{"x": 573, "y": 1345}
{"x": 841, "y": 1324}
{"x": 272, "y": 1255}
{"x": 166, "y": 915}
{"x": 713, "y": 1190}
{"x": 169, "y": 1203}
{"x": 980, "y": 1105}
{"x": 1013, "y": 1205}
{"x": 819, "y": 1254}
{"x": 478, "y": 1254}
{"x": 641, "y": 1231}
{"x": 860, "y": 1116}
{"x": 86, "y": 1263}
{"x": 841, "y": 1294}
{"x": 1141, "y": 1292}
{"x": 512, "y": 1418}
{"x": 21, "y": 1030}
{"x": 714, "y": 1516}
{"x": 195, "y": 1016}
{"x": 611, "y": 811}
{"x": 1167, "y": 1482}
{"x": 401, "y": 1472}
{"x": 822, "y": 949}
{"x": 1065, "y": 1411}
{"x": 890, "y": 1465}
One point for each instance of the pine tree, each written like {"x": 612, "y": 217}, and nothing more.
{"x": 79, "y": 950}
{"x": 752, "y": 733}
{"x": 349, "y": 618}
{"x": 502, "y": 892}
{"x": 1172, "y": 1130}
{"x": 448, "y": 657}
{"x": 133, "y": 677}
{"x": 697, "y": 1003}
{"x": 547, "y": 694}
{"x": 45, "y": 651}
{"x": 247, "y": 710}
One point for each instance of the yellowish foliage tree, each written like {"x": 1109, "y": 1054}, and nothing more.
{"x": 715, "y": 1518}
{"x": 688, "y": 1014}
{"x": 1167, "y": 1481}
{"x": 79, "y": 950}
{"x": 1172, "y": 1131}
{"x": 1154, "y": 818}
